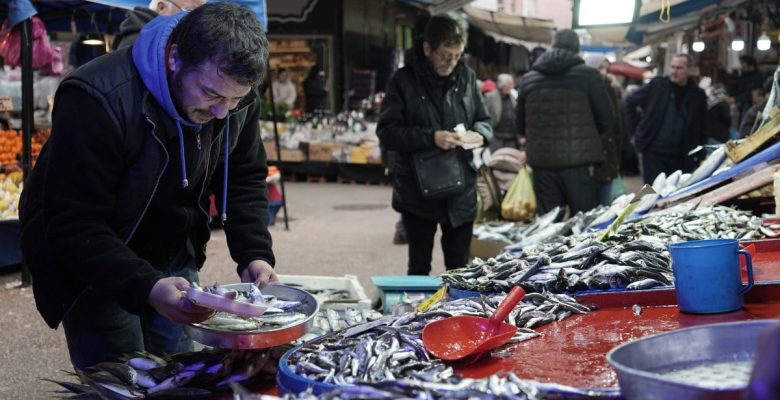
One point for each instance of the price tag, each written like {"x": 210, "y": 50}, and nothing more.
{"x": 6, "y": 104}
{"x": 435, "y": 298}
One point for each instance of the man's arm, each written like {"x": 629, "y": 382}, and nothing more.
{"x": 394, "y": 131}
{"x": 636, "y": 99}
{"x": 481, "y": 122}
{"x": 85, "y": 166}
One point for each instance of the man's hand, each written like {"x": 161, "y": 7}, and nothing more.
{"x": 446, "y": 140}
{"x": 260, "y": 273}
{"x": 167, "y": 297}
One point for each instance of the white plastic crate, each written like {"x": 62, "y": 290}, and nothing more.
{"x": 350, "y": 283}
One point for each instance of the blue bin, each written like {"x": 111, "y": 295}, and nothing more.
{"x": 455, "y": 293}
{"x": 290, "y": 382}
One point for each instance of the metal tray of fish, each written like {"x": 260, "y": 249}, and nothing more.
{"x": 227, "y": 337}
{"x": 712, "y": 361}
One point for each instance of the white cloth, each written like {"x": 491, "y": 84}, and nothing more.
{"x": 284, "y": 92}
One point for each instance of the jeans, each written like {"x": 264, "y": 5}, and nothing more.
{"x": 97, "y": 329}
{"x": 455, "y": 243}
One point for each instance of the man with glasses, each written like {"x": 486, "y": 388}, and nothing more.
{"x": 139, "y": 16}
{"x": 424, "y": 102}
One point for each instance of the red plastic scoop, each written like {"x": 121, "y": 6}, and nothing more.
{"x": 458, "y": 337}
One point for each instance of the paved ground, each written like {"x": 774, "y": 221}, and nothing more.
{"x": 335, "y": 229}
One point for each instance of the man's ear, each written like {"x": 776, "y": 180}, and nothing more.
{"x": 427, "y": 49}
{"x": 174, "y": 63}
{"x": 160, "y": 7}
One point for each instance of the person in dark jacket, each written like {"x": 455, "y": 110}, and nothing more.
{"x": 140, "y": 16}
{"x": 314, "y": 90}
{"x": 750, "y": 79}
{"x": 718, "y": 113}
{"x": 563, "y": 109}
{"x": 424, "y": 102}
{"x": 671, "y": 122}
{"x": 114, "y": 220}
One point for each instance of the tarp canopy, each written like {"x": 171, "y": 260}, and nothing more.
{"x": 499, "y": 25}
{"x": 106, "y": 14}
{"x": 437, "y": 6}
{"x": 684, "y": 14}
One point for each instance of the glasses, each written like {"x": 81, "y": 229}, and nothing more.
{"x": 447, "y": 56}
{"x": 178, "y": 6}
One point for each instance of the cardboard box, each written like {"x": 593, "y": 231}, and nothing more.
{"x": 321, "y": 151}
{"x": 364, "y": 154}
{"x": 350, "y": 283}
{"x": 486, "y": 248}
{"x": 287, "y": 154}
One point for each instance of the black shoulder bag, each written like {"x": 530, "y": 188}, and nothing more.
{"x": 439, "y": 173}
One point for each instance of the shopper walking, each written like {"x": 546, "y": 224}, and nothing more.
{"x": 284, "y": 88}
{"x": 671, "y": 122}
{"x": 501, "y": 107}
{"x": 563, "y": 110}
{"x": 114, "y": 220}
{"x": 425, "y": 101}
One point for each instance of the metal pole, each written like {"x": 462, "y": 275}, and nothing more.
{"x": 278, "y": 153}
{"x": 27, "y": 116}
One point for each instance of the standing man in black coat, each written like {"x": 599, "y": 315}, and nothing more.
{"x": 672, "y": 121}
{"x": 563, "y": 109}
{"x": 140, "y": 16}
{"x": 425, "y": 101}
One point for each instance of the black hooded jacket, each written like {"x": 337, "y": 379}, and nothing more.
{"x": 562, "y": 108}
{"x": 417, "y": 103}
{"x": 131, "y": 26}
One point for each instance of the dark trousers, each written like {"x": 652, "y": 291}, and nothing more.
{"x": 455, "y": 244}
{"x": 653, "y": 164}
{"x": 97, "y": 329}
{"x": 498, "y": 143}
{"x": 577, "y": 187}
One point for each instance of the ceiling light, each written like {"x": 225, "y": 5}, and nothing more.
{"x": 92, "y": 40}
{"x": 764, "y": 42}
{"x": 649, "y": 59}
{"x": 737, "y": 44}
{"x": 698, "y": 46}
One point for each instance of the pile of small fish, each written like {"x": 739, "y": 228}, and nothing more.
{"x": 329, "y": 320}
{"x": 686, "y": 222}
{"x": 569, "y": 266}
{"x": 540, "y": 230}
{"x": 183, "y": 375}
{"x": 223, "y": 321}
{"x": 509, "y": 387}
{"x": 391, "y": 348}
{"x": 633, "y": 257}
{"x": 323, "y": 295}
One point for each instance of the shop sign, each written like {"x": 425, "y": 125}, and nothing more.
{"x": 289, "y": 10}
{"x": 6, "y": 104}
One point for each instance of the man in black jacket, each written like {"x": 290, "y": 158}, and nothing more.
{"x": 425, "y": 101}
{"x": 563, "y": 109}
{"x": 114, "y": 215}
{"x": 140, "y": 16}
{"x": 671, "y": 122}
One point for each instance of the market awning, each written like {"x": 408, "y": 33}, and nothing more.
{"x": 511, "y": 27}
{"x": 438, "y": 6}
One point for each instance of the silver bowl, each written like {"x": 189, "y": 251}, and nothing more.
{"x": 704, "y": 362}
{"x": 265, "y": 338}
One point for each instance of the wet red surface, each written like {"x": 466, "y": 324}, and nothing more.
{"x": 573, "y": 352}
{"x": 766, "y": 259}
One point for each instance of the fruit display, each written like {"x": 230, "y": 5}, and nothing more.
{"x": 11, "y": 145}
{"x": 11, "y": 185}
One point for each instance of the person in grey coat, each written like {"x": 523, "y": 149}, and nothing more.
{"x": 501, "y": 107}
{"x": 563, "y": 109}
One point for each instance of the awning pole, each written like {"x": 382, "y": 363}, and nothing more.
{"x": 27, "y": 116}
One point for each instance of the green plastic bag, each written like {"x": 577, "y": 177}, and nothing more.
{"x": 519, "y": 203}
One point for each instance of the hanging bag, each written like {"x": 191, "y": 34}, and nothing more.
{"x": 439, "y": 173}
{"x": 519, "y": 203}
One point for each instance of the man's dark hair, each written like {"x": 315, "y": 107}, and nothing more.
{"x": 446, "y": 30}
{"x": 227, "y": 34}
{"x": 749, "y": 61}
{"x": 688, "y": 58}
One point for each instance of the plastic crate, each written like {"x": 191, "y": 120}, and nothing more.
{"x": 358, "y": 298}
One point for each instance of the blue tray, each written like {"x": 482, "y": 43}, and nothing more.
{"x": 421, "y": 283}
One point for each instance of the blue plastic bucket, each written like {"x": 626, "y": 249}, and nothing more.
{"x": 290, "y": 382}
{"x": 707, "y": 275}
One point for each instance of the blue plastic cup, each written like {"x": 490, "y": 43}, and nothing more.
{"x": 707, "y": 275}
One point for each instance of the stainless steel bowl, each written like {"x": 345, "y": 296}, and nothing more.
{"x": 704, "y": 362}
{"x": 260, "y": 339}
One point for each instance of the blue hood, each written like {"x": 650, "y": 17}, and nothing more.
{"x": 149, "y": 58}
